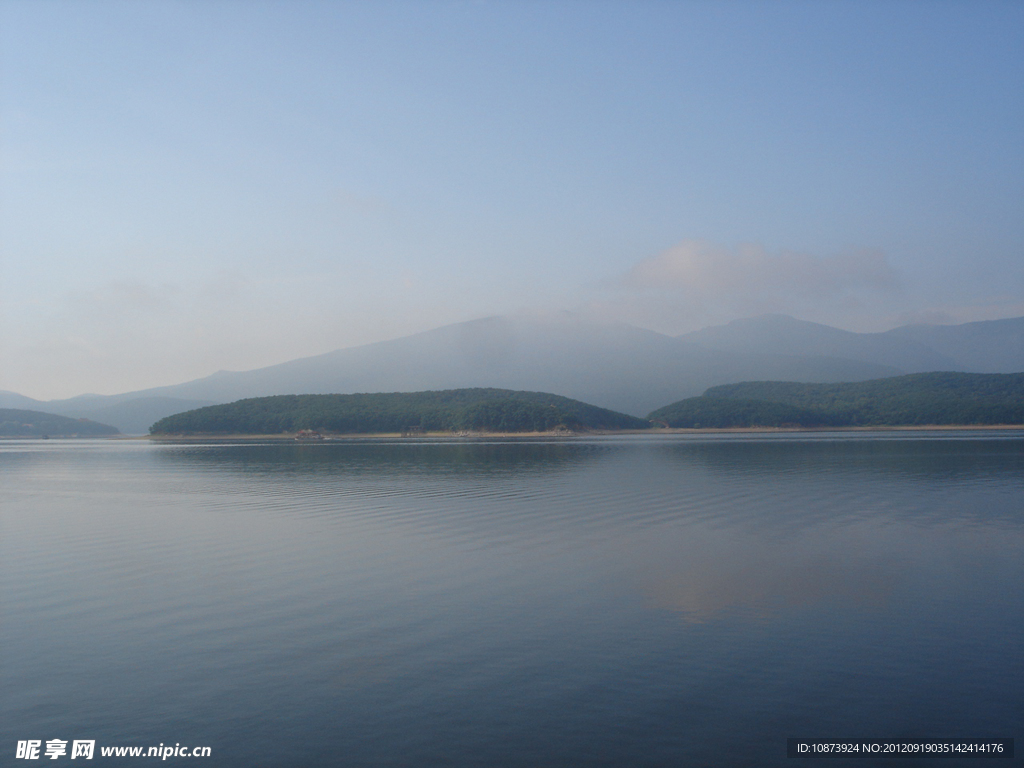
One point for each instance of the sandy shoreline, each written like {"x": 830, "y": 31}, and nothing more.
{"x": 290, "y": 437}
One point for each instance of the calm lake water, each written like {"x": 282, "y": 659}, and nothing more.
{"x": 636, "y": 601}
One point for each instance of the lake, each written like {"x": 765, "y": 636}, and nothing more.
{"x": 608, "y": 601}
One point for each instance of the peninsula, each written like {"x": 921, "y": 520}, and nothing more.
{"x": 915, "y": 400}
{"x": 16, "y": 422}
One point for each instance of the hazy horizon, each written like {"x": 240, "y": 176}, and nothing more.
{"x": 186, "y": 187}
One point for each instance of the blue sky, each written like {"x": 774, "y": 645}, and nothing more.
{"x": 194, "y": 186}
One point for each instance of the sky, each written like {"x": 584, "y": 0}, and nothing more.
{"x": 187, "y": 187}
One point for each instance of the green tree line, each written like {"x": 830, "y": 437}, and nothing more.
{"x": 914, "y": 400}
{"x": 497, "y": 410}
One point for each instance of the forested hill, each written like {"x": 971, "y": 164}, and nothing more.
{"x": 496, "y": 410}
{"x": 916, "y": 399}
{"x": 15, "y": 422}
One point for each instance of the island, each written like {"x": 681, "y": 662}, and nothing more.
{"x": 452, "y": 410}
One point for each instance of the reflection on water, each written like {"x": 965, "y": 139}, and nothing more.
{"x": 640, "y": 601}
{"x": 767, "y": 579}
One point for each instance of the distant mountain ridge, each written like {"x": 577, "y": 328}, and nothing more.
{"x": 612, "y": 365}
{"x": 990, "y": 346}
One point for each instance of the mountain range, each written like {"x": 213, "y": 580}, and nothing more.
{"x": 611, "y": 365}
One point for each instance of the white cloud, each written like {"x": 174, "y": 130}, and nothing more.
{"x": 710, "y": 273}
{"x": 697, "y": 283}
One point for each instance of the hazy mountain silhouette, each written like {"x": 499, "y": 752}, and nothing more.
{"x": 14, "y": 400}
{"x": 611, "y": 365}
{"x": 784, "y": 335}
{"x": 990, "y": 346}
{"x": 132, "y": 413}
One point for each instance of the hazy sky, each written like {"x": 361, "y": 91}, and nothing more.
{"x": 194, "y": 186}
